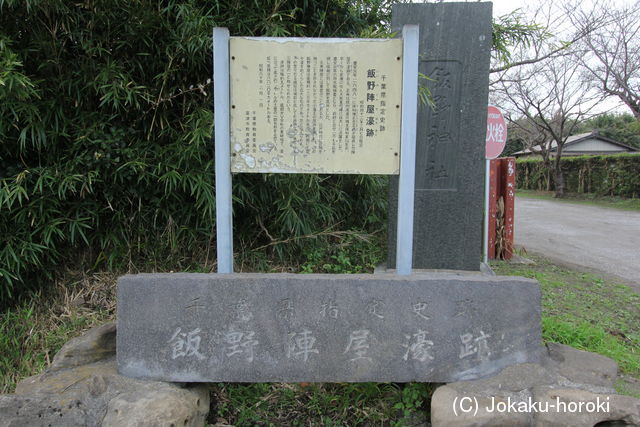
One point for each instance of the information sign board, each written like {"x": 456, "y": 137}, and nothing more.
{"x": 315, "y": 105}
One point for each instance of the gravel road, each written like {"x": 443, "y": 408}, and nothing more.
{"x": 591, "y": 238}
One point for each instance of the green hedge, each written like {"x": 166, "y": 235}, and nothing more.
{"x": 612, "y": 175}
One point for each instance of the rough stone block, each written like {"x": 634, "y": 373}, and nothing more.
{"x": 576, "y": 407}
{"x": 97, "y": 344}
{"x": 433, "y": 327}
{"x": 581, "y": 367}
{"x": 569, "y": 387}
{"x": 83, "y": 388}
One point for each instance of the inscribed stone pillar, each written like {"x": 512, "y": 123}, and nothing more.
{"x": 455, "y": 47}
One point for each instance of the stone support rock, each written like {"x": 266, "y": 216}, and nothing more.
{"x": 569, "y": 388}
{"x": 83, "y": 387}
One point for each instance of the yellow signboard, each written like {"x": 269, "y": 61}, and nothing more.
{"x": 315, "y": 105}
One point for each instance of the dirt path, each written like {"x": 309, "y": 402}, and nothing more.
{"x": 591, "y": 238}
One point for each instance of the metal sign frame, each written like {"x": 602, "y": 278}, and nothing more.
{"x": 224, "y": 214}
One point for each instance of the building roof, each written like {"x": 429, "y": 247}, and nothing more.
{"x": 577, "y": 139}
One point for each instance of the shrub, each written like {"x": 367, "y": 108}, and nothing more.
{"x": 612, "y": 175}
{"x": 106, "y": 131}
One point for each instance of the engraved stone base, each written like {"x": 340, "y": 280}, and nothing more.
{"x": 429, "y": 327}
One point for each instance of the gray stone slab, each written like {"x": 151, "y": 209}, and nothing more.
{"x": 455, "y": 46}
{"x": 432, "y": 327}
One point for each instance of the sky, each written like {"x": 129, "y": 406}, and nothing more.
{"x": 503, "y": 7}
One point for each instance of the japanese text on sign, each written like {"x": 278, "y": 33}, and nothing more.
{"x": 301, "y": 106}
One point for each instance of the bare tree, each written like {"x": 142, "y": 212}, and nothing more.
{"x": 611, "y": 52}
{"x": 546, "y": 101}
{"x": 535, "y": 34}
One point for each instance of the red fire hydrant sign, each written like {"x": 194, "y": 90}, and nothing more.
{"x": 496, "y": 133}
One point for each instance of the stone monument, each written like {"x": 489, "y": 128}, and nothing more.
{"x": 243, "y": 327}
{"x": 335, "y": 106}
{"x": 455, "y": 47}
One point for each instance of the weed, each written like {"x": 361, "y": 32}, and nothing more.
{"x": 356, "y": 254}
{"x": 585, "y": 336}
{"x": 33, "y": 330}
{"x": 585, "y": 311}
{"x": 414, "y": 398}
{"x": 328, "y": 404}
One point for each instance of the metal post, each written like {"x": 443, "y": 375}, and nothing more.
{"x": 224, "y": 219}
{"x": 485, "y": 234}
{"x": 404, "y": 252}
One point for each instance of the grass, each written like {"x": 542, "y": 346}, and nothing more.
{"x": 579, "y": 309}
{"x": 33, "y": 331}
{"x": 327, "y": 404}
{"x": 585, "y": 199}
{"x": 585, "y": 311}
